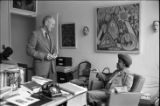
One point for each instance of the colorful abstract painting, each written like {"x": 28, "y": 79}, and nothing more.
{"x": 118, "y": 28}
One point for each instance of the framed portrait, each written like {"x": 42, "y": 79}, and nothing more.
{"x": 24, "y": 7}
{"x": 118, "y": 28}
{"x": 68, "y": 38}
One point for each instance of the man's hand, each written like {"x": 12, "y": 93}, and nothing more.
{"x": 54, "y": 55}
{"x": 51, "y": 56}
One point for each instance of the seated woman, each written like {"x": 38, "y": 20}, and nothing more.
{"x": 5, "y": 56}
{"x": 119, "y": 78}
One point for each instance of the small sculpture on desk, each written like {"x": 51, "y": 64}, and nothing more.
{"x": 11, "y": 81}
{"x": 14, "y": 81}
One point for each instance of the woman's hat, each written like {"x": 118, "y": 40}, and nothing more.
{"x": 126, "y": 59}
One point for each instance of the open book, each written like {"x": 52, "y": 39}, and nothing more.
{"x": 31, "y": 87}
{"x": 72, "y": 88}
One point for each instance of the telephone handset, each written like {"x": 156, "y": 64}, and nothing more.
{"x": 51, "y": 89}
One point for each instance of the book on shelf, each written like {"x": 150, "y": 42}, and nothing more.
{"x": 72, "y": 88}
{"x": 31, "y": 87}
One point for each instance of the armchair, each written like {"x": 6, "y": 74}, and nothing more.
{"x": 83, "y": 72}
{"x": 130, "y": 98}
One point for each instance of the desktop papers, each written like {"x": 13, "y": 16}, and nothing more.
{"x": 22, "y": 100}
{"x": 40, "y": 80}
{"x": 4, "y": 91}
{"x": 72, "y": 88}
{"x": 31, "y": 87}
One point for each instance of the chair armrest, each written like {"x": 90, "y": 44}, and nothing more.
{"x": 95, "y": 84}
{"x": 74, "y": 71}
{"x": 124, "y": 99}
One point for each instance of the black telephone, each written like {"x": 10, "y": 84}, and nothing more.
{"x": 51, "y": 89}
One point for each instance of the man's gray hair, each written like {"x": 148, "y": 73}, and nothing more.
{"x": 46, "y": 18}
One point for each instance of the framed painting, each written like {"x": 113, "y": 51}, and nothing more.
{"x": 24, "y": 7}
{"x": 118, "y": 28}
{"x": 68, "y": 38}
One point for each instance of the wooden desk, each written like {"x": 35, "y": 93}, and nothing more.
{"x": 45, "y": 101}
{"x": 69, "y": 99}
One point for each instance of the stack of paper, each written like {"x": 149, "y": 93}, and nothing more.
{"x": 22, "y": 100}
{"x": 31, "y": 87}
{"x": 40, "y": 80}
{"x": 72, "y": 88}
{"x": 4, "y": 91}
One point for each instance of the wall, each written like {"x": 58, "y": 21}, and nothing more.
{"x": 83, "y": 13}
{"x": 5, "y": 24}
{"x": 15, "y": 31}
{"x": 21, "y": 30}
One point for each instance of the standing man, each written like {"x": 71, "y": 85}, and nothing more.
{"x": 42, "y": 47}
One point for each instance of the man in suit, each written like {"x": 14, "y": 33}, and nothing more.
{"x": 119, "y": 78}
{"x": 42, "y": 47}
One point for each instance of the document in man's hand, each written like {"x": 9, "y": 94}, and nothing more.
{"x": 72, "y": 88}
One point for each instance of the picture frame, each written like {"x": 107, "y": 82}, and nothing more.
{"x": 23, "y": 7}
{"x": 68, "y": 37}
{"x": 118, "y": 29}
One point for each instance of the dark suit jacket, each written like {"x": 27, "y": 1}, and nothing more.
{"x": 38, "y": 47}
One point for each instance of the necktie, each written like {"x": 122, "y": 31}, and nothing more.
{"x": 48, "y": 39}
{"x": 46, "y": 35}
